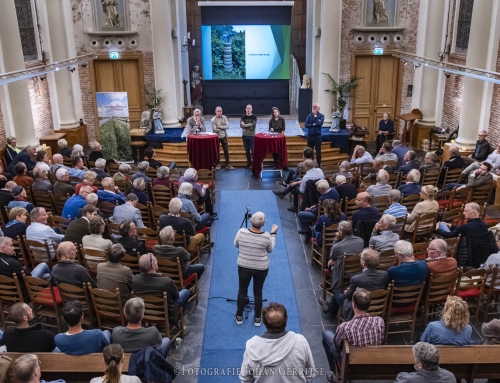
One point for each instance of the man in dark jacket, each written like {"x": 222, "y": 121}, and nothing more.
{"x": 100, "y": 164}
{"x": 67, "y": 271}
{"x": 314, "y": 123}
{"x": 150, "y": 156}
{"x": 25, "y": 157}
{"x": 78, "y": 228}
{"x": 129, "y": 240}
{"x": 455, "y": 161}
{"x": 482, "y": 149}
{"x": 6, "y": 197}
{"x": 346, "y": 191}
{"x": 410, "y": 162}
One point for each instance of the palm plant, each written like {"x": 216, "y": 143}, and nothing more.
{"x": 154, "y": 97}
{"x": 343, "y": 89}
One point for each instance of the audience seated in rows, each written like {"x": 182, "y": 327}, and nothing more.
{"x": 361, "y": 331}
{"x": 412, "y": 185}
{"x": 184, "y": 194}
{"x": 201, "y": 194}
{"x": 16, "y": 227}
{"x": 128, "y": 211}
{"x": 438, "y": 263}
{"x": 493, "y": 159}
{"x": 150, "y": 282}
{"x": 454, "y": 328}
{"x": 78, "y": 169}
{"x": 166, "y": 250}
{"x": 110, "y": 192}
{"x": 162, "y": 174}
{"x": 427, "y": 205}
{"x": 360, "y": 155}
{"x": 123, "y": 172}
{"x": 399, "y": 150}
{"x": 114, "y": 360}
{"x": 62, "y": 186}
{"x": 129, "y": 240}
{"x": 481, "y": 150}
{"x": 382, "y": 237}
{"x": 25, "y": 337}
{"x": 346, "y": 191}
{"x": 79, "y": 228}
{"x": 409, "y": 272}
{"x": 64, "y": 150}
{"x": 21, "y": 178}
{"x": 72, "y": 204}
{"x": 430, "y": 163}
{"x": 386, "y": 154}
{"x": 24, "y": 157}
{"x": 379, "y": 164}
{"x": 77, "y": 341}
{"x": 98, "y": 169}
{"x": 88, "y": 180}
{"x": 112, "y": 274}
{"x": 366, "y": 212}
{"x": 69, "y": 271}
{"x": 142, "y": 167}
{"x": 410, "y": 162}
{"x": 39, "y": 231}
{"x": 332, "y": 215}
{"x": 95, "y": 240}
{"x": 42, "y": 161}
{"x": 395, "y": 208}
{"x": 381, "y": 188}
{"x": 343, "y": 171}
{"x": 138, "y": 188}
{"x": 20, "y": 199}
{"x": 150, "y": 157}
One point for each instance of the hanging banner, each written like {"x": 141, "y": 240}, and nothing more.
{"x": 114, "y": 123}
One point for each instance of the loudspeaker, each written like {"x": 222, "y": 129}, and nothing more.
{"x": 305, "y": 103}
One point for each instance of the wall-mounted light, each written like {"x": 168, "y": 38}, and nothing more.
{"x": 417, "y": 65}
{"x": 71, "y": 69}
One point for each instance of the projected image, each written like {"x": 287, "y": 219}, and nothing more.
{"x": 239, "y": 52}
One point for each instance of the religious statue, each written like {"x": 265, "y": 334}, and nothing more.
{"x": 336, "y": 115}
{"x": 196, "y": 87}
{"x": 110, "y": 8}
{"x": 157, "y": 116}
{"x": 379, "y": 12}
{"x": 306, "y": 82}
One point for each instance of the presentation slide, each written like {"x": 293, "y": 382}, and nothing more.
{"x": 245, "y": 52}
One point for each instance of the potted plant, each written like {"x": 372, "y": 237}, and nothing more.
{"x": 154, "y": 97}
{"x": 344, "y": 90}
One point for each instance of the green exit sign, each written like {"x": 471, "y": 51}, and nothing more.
{"x": 114, "y": 55}
{"x": 378, "y": 51}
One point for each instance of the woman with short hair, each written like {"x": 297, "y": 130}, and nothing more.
{"x": 16, "y": 227}
{"x": 123, "y": 172}
{"x": 428, "y": 205}
{"x": 184, "y": 194}
{"x": 42, "y": 161}
{"x": 162, "y": 174}
{"x": 201, "y": 193}
{"x": 138, "y": 187}
{"x": 95, "y": 240}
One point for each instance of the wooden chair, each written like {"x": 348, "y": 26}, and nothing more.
{"x": 10, "y": 293}
{"x": 108, "y": 308}
{"x": 181, "y": 241}
{"x": 43, "y": 199}
{"x": 45, "y": 299}
{"x": 150, "y": 237}
{"x": 58, "y": 201}
{"x": 444, "y": 198}
{"x": 145, "y": 214}
{"x": 452, "y": 246}
{"x": 381, "y": 203}
{"x": 420, "y": 250}
{"x": 481, "y": 194}
{"x": 113, "y": 169}
{"x": 425, "y": 224}
{"x": 175, "y": 174}
{"x": 430, "y": 177}
{"x": 453, "y": 216}
{"x": 131, "y": 261}
{"x": 123, "y": 186}
{"x": 151, "y": 173}
{"x": 59, "y": 222}
{"x": 321, "y": 253}
{"x": 492, "y": 293}
{"x": 460, "y": 197}
{"x": 378, "y": 304}
{"x": 21, "y": 252}
{"x": 67, "y": 162}
{"x": 436, "y": 293}
{"x": 39, "y": 252}
{"x": 351, "y": 266}
{"x": 410, "y": 201}
{"x": 174, "y": 271}
{"x": 470, "y": 288}
{"x": 394, "y": 180}
{"x": 107, "y": 208}
{"x": 451, "y": 176}
{"x": 81, "y": 294}
{"x": 399, "y": 226}
{"x": 386, "y": 259}
{"x": 155, "y": 213}
{"x": 92, "y": 258}
{"x": 349, "y": 208}
{"x": 162, "y": 195}
{"x": 403, "y": 308}
{"x": 156, "y": 314}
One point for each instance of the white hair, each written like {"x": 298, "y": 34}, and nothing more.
{"x": 383, "y": 176}
{"x": 185, "y": 188}
{"x": 190, "y": 174}
{"x": 61, "y": 172}
{"x": 100, "y": 163}
{"x": 142, "y": 166}
{"x": 340, "y": 179}
{"x": 258, "y": 219}
{"x": 93, "y": 145}
{"x": 414, "y": 175}
{"x": 62, "y": 143}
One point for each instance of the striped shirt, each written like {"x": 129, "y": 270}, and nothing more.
{"x": 360, "y": 331}
{"x": 397, "y": 210}
{"x": 254, "y": 248}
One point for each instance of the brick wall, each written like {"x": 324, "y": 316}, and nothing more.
{"x": 40, "y": 106}
{"x": 89, "y": 116}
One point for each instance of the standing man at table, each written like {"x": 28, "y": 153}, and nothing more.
{"x": 248, "y": 123}
{"x": 314, "y": 122}
{"x": 219, "y": 126}
{"x": 195, "y": 123}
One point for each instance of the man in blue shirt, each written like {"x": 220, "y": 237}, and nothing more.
{"x": 395, "y": 208}
{"x": 110, "y": 192}
{"x": 313, "y": 124}
{"x": 412, "y": 185}
{"x": 360, "y": 155}
{"x": 410, "y": 272}
{"x": 399, "y": 150}
{"x": 77, "y": 341}
{"x": 78, "y": 170}
{"x": 76, "y": 202}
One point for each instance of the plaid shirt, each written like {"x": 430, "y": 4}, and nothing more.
{"x": 360, "y": 331}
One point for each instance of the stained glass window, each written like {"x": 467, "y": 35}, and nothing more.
{"x": 463, "y": 25}
{"x": 26, "y": 29}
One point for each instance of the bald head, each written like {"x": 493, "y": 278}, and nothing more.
{"x": 66, "y": 251}
{"x": 308, "y": 164}
{"x": 363, "y": 200}
{"x": 437, "y": 248}
{"x": 57, "y": 158}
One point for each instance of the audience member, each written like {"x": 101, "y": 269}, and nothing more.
{"x": 94, "y": 240}
{"x": 162, "y": 174}
{"x": 63, "y": 148}
{"x": 77, "y": 151}
{"x": 21, "y": 179}
{"x": 346, "y": 191}
{"x": 385, "y": 153}
{"x": 99, "y": 169}
{"x": 202, "y": 194}
{"x": 399, "y": 150}
{"x": 42, "y": 161}
{"x": 20, "y": 199}
{"x": 493, "y": 159}
{"x": 381, "y": 188}
{"x": 138, "y": 187}
{"x": 112, "y": 274}
{"x": 293, "y": 174}
{"x": 150, "y": 157}
{"x": 6, "y": 196}
{"x": 96, "y": 151}
{"x": 57, "y": 163}
{"x": 379, "y": 164}
{"x": 62, "y": 186}
{"x": 78, "y": 169}
{"x": 149, "y": 281}
{"x": 410, "y": 162}
{"x": 455, "y": 161}
{"x": 332, "y": 215}
{"x": 366, "y": 212}
{"x": 129, "y": 240}
{"x": 430, "y": 163}
{"x": 128, "y": 211}
{"x": 114, "y": 360}
{"x": 360, "y": 155}
{"x": 482, "y": 149}
{"x": 184, "y": 194}
{"x": 437, "y": 261}
{"x": 427, "y": 205}
{"x": 454, "y": 328}
{"x": 142, "y": 168}
{"x": 426, "y": 367}
{"x": 11, "y": 150}
{"x": 493, "y": 259}
{"x": 75, "y": 202}
{"x": 395, "y": 208}
{"x": 16, "y": 227}
{"x": 23, "y": 337}
{"x": 479, "y": 177}
{"x": 166, "y": 250}
{"x": 26, "y": 369}
{"x": 474, "y": 224}
{"x": 79, "y": 228}
{"x": 277, "y": 350}
{"x": 24, "y": 157}
{"x": 123, "y": 172}
{"x": 412, "y": 185}
{"x": 491, "y": 332}
{"x": 77, "y": 341}
{"x": 39, "y": 231}
{"x": 67, "y": 271}
{"x": 409, "y": 272}
{"x": 387, "y": 238}
{"x": 343, "y": 171}
{"x": 110, "y": 192}
{"x": 361, "y": 331}
{"x": 89, "y": 178}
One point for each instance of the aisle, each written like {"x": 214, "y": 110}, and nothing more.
{"x": 224, "y": 341}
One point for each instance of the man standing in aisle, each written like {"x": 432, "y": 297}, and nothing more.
{"x": 248, "y": 123}
{"x": 314, "y": 122}
{"x": 219, "y": 126}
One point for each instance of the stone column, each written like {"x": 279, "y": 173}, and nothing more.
{"x": 165, "y": 76}
{"x": 62, "y": 47}
{"x": 431, "y": 32}
{"x": 331, "y": 22}
{"x": 14, "y": 97}
{"x": 482, "y": 53}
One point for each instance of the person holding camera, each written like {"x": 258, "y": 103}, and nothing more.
{"x": 253, "y": 262}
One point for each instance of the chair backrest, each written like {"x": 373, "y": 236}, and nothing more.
{"x": 481, "y": 194}
{"x": 108, "y": 308}
{"x": 113, "y": 169}
{"x": 439, "y": 287}
{"x": 122, "y": 185}
{"x": 172, "y": 269}
{"x": 187, "y": 215}
{"x": 151, "y": 237}
{"x": 107, "y": 208}
{"x": 92, "y": 258}
{"x": 20, "y": 250}
{"x": 156, "y": 211}
{"x": 399, "y": 226}
{"x": 10, "y": 290}
{"x": 40, "y": 291}
{"x": 479, "y": 248}
{"x": 444, "y": 199}
{"x": 351, "y": 265}
{"x": 59, "y": 222}
{"x": 474, "y": 279}
{"x": 67, "y": 162}
{"x": 394, "y": 180}
{"x": 459, "y": 196}
{"x": 59, "y": 201}
{"x": 386, "y": 259}
{"x": 453, "y": 216}
{"x": 131, "y": 261}
{"x": 425, "y": 224}
{"x": 420, "y": 250}
{"x": 452, "y": 246}
{"x": 350, "y": 207}
{"x": 156, "y": 312}
{"x": 70, "y": 292}
{"x": 365, "y": 169}
{"x": 180, "y": 239}
{"x": 381, "y": 203}
{"x": 410, "y": 201}
{"x": 151, "y": 172}
{"x": 452, "y": 176}
{"x": 175, "y": 174}
{"x": 392, "y": 163}
{"x": 162, "y": 195}
{"x": 146, "y": 218}
{"x": 206, "y": 175}
{"x": 43, "y": 199}
{"x": 379, "y": 302}
{"x": 328, "y": 235}
{"x": 113, "y": 228}
{"x": 38, "y": 252}
{"x": 430, "y": 177}
{"x": 407, "y": 296}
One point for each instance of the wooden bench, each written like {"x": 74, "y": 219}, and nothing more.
{"x": 386, "y": 362}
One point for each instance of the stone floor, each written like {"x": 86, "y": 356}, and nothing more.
{"x": 306, "y": 279}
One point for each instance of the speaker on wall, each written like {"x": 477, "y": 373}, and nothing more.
{"x": 305, "y": 103}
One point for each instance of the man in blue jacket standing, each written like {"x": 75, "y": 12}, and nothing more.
{"x": 314, "y": 122}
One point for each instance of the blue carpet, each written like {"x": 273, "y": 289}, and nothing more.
{"x": 224, "y": 341}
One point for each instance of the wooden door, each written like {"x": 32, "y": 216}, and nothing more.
{"x": 124, "y": 75}
{"x": 378, "y": 92}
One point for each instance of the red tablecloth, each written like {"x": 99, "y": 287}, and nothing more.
{"x": 266, "y": 144}
{"x": 203, "y": 150}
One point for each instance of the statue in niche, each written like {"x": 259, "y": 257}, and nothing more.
{"x": 110, "y": 8}
{"x": 196, "y": 87}
{"x": 379, "y": 12}
{"x": 306, "y": 82}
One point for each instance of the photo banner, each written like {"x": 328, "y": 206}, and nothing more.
{"x": 114, "y": 123}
